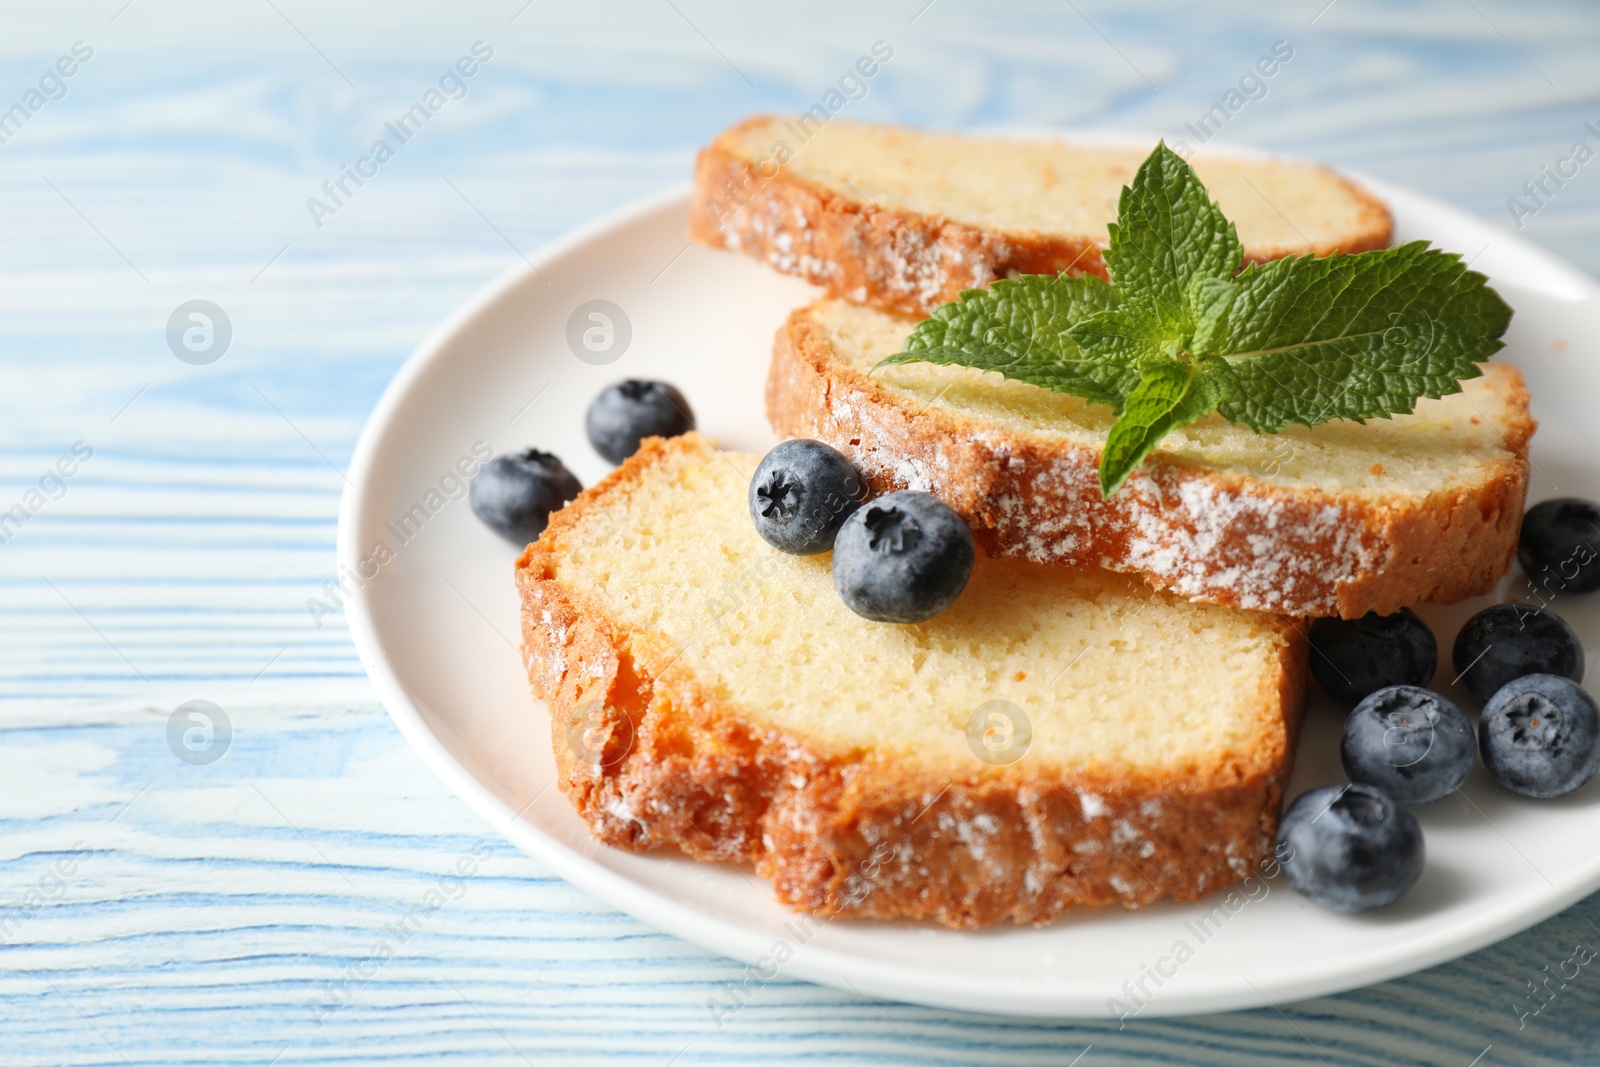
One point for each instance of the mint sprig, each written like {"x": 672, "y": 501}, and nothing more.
{"x": 1179, "y": 332}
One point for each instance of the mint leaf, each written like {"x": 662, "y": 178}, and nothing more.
{"x": 1209, "y": 300}
{"x": 1127, "y": 336}
{"x": 1169, "y": 394}
{"x": 1018, "y": 328}
{"x": 1351, "y": 337}
{"x": 1167, "y": 233}
{"x": 1180, "y": 335}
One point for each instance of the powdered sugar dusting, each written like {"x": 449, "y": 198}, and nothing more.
{"x": 1196, "y": 536}
{"x": 903, "y": 258}
{"x": 618, "y": 808}
{"x": 912, "y": 475}
{"x": 1204, "y": 539}
{"x": 556, "y": 661}
{"x": 1250, "y": 545}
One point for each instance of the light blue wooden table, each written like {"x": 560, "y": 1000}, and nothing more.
{"x": 158, "y": 910}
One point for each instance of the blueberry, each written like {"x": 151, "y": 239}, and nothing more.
{"x": 1355, "y": 657}
{"x": 626, "y": 413}
{"x": 1540, "y": 735}
{"x": 1414, "y": 744}
{"x": 1506, "y": 641}
{"x": 1350, "y": 848}
{"x": 1560, "y": 545}
{"x": 801, "y": 494}
{"x": 515, "y": 494}
{"x": 905, "y": 557}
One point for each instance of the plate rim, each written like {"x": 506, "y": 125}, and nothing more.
{"x": 821, "y": 964}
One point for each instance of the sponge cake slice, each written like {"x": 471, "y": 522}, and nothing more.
{"x": 711, "y": 694}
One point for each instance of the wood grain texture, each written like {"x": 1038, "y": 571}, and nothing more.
{"x": 212, "y": 911}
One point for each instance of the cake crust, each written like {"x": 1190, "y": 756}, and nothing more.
{"x": 903, "y": 260}
{"x": 652, "y": 758}
{"x": 1205, "y": 534}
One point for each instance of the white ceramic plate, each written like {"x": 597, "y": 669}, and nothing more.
{"x": 437, "y": 628}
